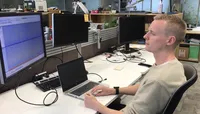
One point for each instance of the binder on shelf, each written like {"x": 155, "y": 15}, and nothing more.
{"x": 194, "y": 50}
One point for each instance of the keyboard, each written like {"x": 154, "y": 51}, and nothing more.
{"x": 84, "y": 88}
{"x": 48, "y": 84}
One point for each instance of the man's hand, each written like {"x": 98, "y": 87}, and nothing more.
{"x": 102, "y": 91}
{"x": 91, "y": 102}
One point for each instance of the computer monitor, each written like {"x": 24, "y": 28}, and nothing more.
{"x": 45, "y": 20}
{"x": 130, "y": 29}
{"x": 68, "y": 29}
{"x": 21, "y": 42}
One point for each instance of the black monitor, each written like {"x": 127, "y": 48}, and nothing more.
{"x": 131, "y": 29}
{"x": 45, "y": 20}
{"x": 68, "y": 29}
{"x": 21, "y": 42}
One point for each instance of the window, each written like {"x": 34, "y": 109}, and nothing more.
{"x": 10, "y": 3}
{"x": 14, "y": 3}
{"x": 56, "y": 3}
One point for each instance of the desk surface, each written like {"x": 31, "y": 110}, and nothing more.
{"x": 127, "y": 75}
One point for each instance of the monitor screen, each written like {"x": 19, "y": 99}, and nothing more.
{"x": 131, "y": 29}
{"x": 68, "y": 29}
{"x": 21, "y": 42}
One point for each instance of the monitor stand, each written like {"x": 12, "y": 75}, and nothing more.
{"x": 128, "y": 50}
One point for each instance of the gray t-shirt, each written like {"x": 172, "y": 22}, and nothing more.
{"x": 156, "y": 88}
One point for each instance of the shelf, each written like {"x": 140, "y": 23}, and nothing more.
{"x": 189, "y": 59}
{"x": 124, "y": 14}
{"x": 192, "y": 32}
{"x": 191, "y": 44}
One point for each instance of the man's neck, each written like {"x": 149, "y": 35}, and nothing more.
{"x": 163, "y": 57}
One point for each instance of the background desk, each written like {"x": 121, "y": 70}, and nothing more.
{"x": 129, "y": 74}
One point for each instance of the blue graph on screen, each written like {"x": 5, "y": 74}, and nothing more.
{"x": 22, "y": 43}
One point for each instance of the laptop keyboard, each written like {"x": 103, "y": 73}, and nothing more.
{"x": 84, "y": 88}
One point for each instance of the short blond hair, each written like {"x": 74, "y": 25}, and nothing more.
{"x": 175, "y": 26}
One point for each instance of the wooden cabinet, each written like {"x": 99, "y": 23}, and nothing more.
{"x": 105, "y": 17}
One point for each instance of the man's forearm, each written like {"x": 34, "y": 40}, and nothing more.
{"x": 130, "y": 90}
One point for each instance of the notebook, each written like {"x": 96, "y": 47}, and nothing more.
{"x": 73, "y": 78}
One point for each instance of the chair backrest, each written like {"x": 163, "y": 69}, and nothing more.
{"x": 191, "y": 76}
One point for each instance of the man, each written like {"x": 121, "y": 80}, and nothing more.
{"x": 162, "y": 79}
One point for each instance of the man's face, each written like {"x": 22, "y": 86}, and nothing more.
{"x": 155, "y": 38}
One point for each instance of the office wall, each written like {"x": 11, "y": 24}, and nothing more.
{"x": 14, "y": 3}
{"x": 10, "y": 3}
{"x": 92, "y": 4}
{"x": 188, "y": 7}
{"x": 56, "y": 3}
{"x": 190, "y": 10}
{"x": 147, "y": 6}
{"x": 105, "y": 3}
{"x": 68, "y": 5}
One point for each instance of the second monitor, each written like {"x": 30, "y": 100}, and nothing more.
{"x": 68, "y": 29}
{"x": 131, "y": 29}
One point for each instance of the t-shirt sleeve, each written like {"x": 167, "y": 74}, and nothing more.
{"x": 151, "y": 98}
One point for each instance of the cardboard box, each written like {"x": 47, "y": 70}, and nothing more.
{"x": 183, "y": 52}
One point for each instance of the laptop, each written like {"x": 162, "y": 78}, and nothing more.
{"x": 73, "y": 78}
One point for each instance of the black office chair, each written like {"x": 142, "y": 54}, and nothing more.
{"x": 191, "y": 76}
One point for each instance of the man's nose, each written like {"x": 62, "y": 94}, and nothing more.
{"x": 146, "y": 36}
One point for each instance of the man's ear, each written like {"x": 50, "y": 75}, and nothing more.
{"x": 171, "y": 40}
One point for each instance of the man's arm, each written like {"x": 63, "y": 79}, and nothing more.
{"x": 91, "y": 102}
{"x": 130, "y": 90}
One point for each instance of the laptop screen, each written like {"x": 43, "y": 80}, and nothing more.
{"x": 72, "y": 73}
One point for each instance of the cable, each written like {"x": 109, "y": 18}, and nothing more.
{"x": 140, "y": 60}
{"x": 139, "y": 53}
{"x": 44, "y": 104}
{"x": 62, "y": 54}
{"x": 99, "y": 76}
{"x": 114, "y": 61}
{"x": 132, "y": 57}
{"x": 81, "y": 54}
{"x": 78, "y": 50}
{"x": 48, "y": 59}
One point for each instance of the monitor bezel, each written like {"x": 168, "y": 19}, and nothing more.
{"x": 5, "y": 79}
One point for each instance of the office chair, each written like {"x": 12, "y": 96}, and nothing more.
{"x": 191, "y": 76}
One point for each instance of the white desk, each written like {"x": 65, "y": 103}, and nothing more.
{"x": 9, "y": 104}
